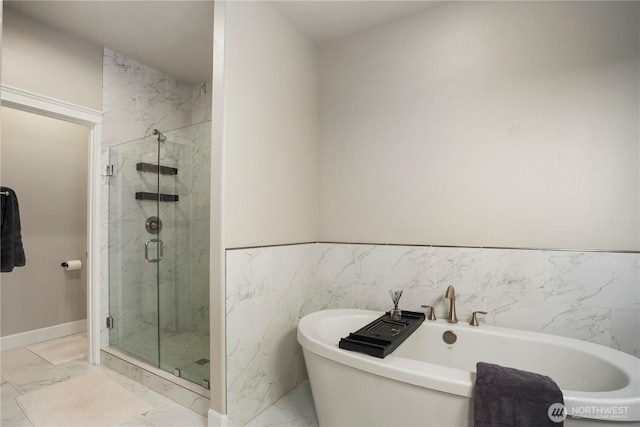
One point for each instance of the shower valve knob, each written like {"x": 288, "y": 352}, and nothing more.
{"x": 153, "y": 225}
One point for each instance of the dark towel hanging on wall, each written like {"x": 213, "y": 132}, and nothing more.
{"x": 11, "y": 250}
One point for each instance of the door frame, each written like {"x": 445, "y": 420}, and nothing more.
{"x": 31, "y": 102}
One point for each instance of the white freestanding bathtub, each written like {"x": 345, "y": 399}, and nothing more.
{"x": 426, "y": 382}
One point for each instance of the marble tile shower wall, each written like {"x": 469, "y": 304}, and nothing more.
{"x": 200, "y": 137}
{"x": 195, "y": 307}
{"x": 137, "y": 99}
{"x": 591, "y": 296}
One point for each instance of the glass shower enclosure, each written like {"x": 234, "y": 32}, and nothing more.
{"x": 159, "y": 250}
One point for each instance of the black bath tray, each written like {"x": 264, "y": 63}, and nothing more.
{"x": 380, "y": 337}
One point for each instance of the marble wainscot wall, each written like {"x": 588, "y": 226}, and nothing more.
{"x": 593, "y": 296}
{"x": 136, "y": 100}
{"x": 265, "y": 291}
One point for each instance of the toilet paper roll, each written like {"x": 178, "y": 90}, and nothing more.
{"x": 72, "y": 265}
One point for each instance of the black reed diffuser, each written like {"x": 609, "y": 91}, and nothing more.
{"x": 396, "y": 313}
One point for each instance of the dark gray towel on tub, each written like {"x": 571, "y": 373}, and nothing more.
{"x": 11, "y": 250}
{"x": 511, "y": 397}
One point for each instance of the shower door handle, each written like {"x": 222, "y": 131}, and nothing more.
{"x": 160, "y": 250}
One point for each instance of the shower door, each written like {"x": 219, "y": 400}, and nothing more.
{"x": 133, "y": 280}
{"x": 158, "y": 249}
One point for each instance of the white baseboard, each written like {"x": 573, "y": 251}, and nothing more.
{"x": 44, "y": 334}
{"x": 216, "y": 420}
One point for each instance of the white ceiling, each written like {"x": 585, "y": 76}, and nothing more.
{"x": 176, "y": 37}
{"x": 329, "y": 19}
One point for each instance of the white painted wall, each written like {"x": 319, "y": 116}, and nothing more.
{"x": 482, "y": 123}
{"x": 44, "y": 161}
{"x": 41, "y": 59}
{"x": 271, "y": 126}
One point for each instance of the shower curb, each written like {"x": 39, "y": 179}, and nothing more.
{"x": 180, "y": 391}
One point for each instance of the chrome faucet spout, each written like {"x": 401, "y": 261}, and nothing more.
{"x": 451, "y": 295}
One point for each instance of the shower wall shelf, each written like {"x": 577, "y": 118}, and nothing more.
{"x": 142, "y": 195}
{"x": 163, "y": 170}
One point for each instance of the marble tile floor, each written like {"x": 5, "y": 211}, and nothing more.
{"x": 23, "y": 371}
{"x": 293, "y": 410}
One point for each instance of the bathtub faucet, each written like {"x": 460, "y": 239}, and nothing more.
{"x": 451, "y": 295}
